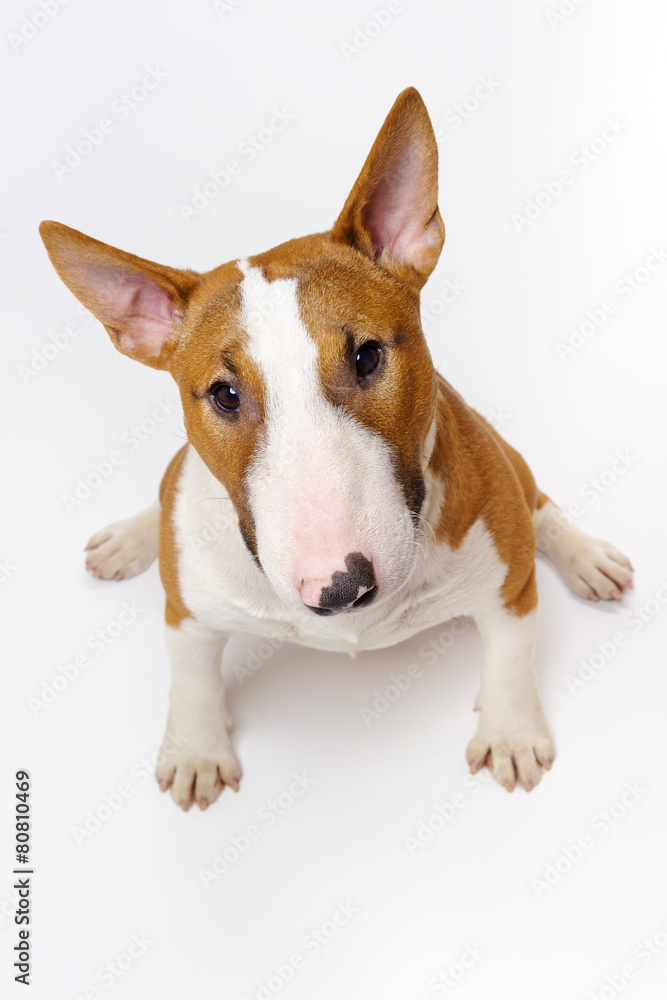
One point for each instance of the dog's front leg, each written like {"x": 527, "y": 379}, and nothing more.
{"x": 513, "y": 739}
{"x": 196, "y": 759}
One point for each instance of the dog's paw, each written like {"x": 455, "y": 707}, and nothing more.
{"x": 596, "y": 570}
{"x": 513, "y": 754}
{"x": 124, "y": 549}
{"x": 199, "y": 769}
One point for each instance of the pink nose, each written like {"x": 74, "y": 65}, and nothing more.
{"x": 354, "y": 587}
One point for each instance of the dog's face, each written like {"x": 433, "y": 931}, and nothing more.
{"x": 306, "y": 382}
{"x": 308, "y": 391}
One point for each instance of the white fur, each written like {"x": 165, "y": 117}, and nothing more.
{"x": 224, "y": 588}
{"x": 591, "y": 567}
{"x": 125, "y": 548}
{"x": 196, "y": 758}
{"x": 321, "y": 485}
{"x": 512, "y": 727}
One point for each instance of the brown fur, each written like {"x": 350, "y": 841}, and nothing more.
{"x": 485, "y": 478}
{"x": 175, "y": 609}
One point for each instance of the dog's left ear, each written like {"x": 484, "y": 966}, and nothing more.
{"x": 140, "y": 303}
{"x": 391, "y": 213}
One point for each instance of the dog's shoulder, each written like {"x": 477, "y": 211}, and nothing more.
{"x": 482, "y": 478}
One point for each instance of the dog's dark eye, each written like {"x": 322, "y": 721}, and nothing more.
{"x": 224, "y": 397}
{"x": 368, "y": 358}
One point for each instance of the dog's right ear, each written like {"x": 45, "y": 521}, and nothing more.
{"x": 140, "y": 303}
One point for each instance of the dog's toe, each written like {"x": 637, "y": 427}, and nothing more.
{"x": 198, "y": 772}
{"x": 124, "y": 549}
{"x": 514, "y": 755}
{"x": 602, "y": 572}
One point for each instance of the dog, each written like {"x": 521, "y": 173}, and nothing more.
{"x": 335, "y": 490}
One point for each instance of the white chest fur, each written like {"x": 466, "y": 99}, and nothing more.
{"x": 224, "y": 589}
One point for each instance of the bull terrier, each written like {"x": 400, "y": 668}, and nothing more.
{"x": 335, "y": 490}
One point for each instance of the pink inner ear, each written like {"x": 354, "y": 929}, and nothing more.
{"x": 137, "y": 308}
{"x": 400, "y": 215}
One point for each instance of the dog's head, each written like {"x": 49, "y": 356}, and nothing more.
{"x": 307, "y": 385}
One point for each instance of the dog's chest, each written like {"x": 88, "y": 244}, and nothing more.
{"x": 224, "y": 589}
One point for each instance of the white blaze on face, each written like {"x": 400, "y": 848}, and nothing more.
{"x": 322, "y": 485}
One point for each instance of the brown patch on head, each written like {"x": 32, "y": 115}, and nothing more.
{"x": 212, "y": 350}
{"x": 484, "y": 478}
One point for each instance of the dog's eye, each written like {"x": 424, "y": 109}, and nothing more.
{"x": 368, "y": 358}
{"x": 224, "y": 397}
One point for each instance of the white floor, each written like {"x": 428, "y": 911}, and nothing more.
{"x": 359, "y": 859}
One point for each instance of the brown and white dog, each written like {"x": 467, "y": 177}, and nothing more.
{"x": 373, "y": 501}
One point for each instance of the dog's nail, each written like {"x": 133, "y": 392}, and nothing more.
{"x": 203, "y": 804}
{"x": 234, "y": 784}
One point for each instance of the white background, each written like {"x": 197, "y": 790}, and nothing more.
{"x": 472, "y": 886}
